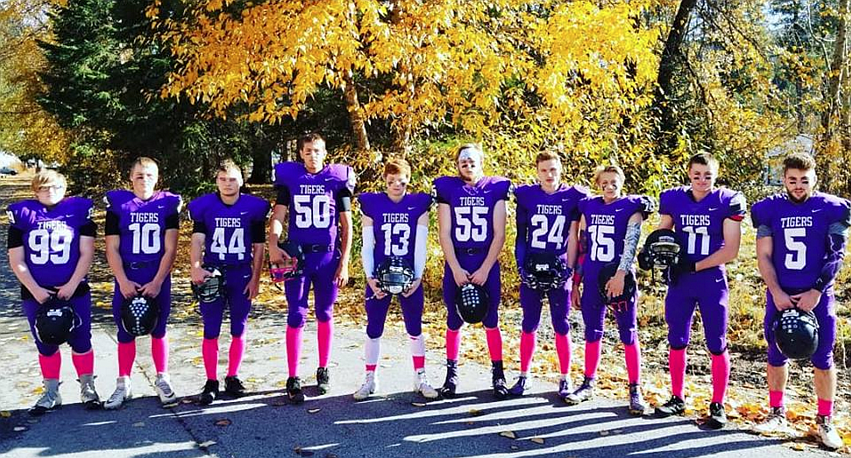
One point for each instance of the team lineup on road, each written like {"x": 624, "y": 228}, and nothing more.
{"x": 574, "y": 248}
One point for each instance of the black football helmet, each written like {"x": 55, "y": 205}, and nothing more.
{"x": 661, "y": 250}
{"x": 796, "y": 333}
{"x": 54, "y": 321}
{"x": 212, "y": 288}
{"x": 471, "y": 300}
{"x": 139, "y": 315}
{"x": 544, "y": 271}
{"x": 609, "y": 271}
{"x": 289, "y": 268}
{"x": 394, "y": 275}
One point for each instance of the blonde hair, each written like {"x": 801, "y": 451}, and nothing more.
{"x": 472, "y": 146}
{"x": 48, "y": 178}
{"x": 144, "y": 162}
{"x": 601, "y": 169}
{"x": 229, "y": 165}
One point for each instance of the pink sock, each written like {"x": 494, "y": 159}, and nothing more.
{"x": 419, "y": 362}
{"x": 563, "y": 350}
{"x": 324, "y": 334}
{"x": 453, "y": 344}
{"x": 210, "y": 354}
{"x": 775, "y": 398}
{"x": 677, "y": 366}
{"x": 632, "y": 354}
{"x": 50, "y": 365}
{"x": 237, "y": 349}
{"x": 592, "y": 358}
{"x": 527, "y": 349}
{"x": 159, "y": 352}
{"x": 293, "y": 350}
{"x": 720, "y": 376}
{"x": 126, "y": 356}
{"x": 825, "y": 407}
{"x": 84, "y": 362}
{"x": 371, "y": 367}
{"x": 494, "y": 338}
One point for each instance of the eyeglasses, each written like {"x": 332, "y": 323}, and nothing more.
{"x": 55, "y": 187}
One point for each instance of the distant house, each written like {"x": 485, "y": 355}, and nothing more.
{"x": 774, "y": 170}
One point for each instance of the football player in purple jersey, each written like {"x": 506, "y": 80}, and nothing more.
{"x": 610, "y": 228}
{"x": 547, "y": 222}
{"x": 801, "y": 237}
{"x": 51, "y": 245}
{"x": 314, "y": 200}
{"x": 141, "y": 244}
{"x": 707, "y": 221}
{"x": 228, "y": 237}
{"x": 395, "y": 224}
{"x": 471, "y": 217}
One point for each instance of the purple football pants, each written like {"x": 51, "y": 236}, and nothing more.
{"x": 594, "y": 314}
{"x": 532, "y": 302}
{"x": 376, "y": 312}
{"x": 825, "y": 313}
{"x": 141, "y": 276}
{"x": 706, "y": 289}
{"x": 319, "y": 270}
{"x": 493, "y": 285}
{"x": 80, "y": 339}
{"x": 236, "y": 279}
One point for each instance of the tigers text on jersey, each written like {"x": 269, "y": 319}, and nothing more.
{"x": 142, "y": 223}
{"x": 547, "y": 217}
{"x": 228, "y": 228}
{"x": 605, "y": 227}
{"x": 799, "y": 234}
{"x": 472, "y": 208}
{"x": 312, "y": 200}
{"x": 51, "y": 236}
{"x": 700, "y": 225}
{"x": 394, "y": 224}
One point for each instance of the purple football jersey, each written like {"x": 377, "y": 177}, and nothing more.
{"x": 313, "y": 199}
{"x": 799, "y": 234}
{"x": 700, "y": 225}
{"x": 605, "y": 228}
{"x": 394, "y": 224}
{"x": 142, "y": 223}
{"x": 472, "y": 208}
{"x": 51, "y": 237}
{"x": 228, "y": 237}
{"x": 547, "y": 217}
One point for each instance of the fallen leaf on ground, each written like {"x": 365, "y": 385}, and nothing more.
{"x": 538, "y": 440}
{"x": 475, "y": 413}
{"x": 508, "y": 434}
{"x": 223, "y": 422}
{"x": 5, "y": 414}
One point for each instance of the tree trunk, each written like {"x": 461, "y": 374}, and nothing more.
{"x": 828, "y": 143}
{"x": 662, "y": 107}
{"x": 356, "y": 116}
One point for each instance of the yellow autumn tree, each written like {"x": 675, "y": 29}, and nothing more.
{"x": 557, "y": 70}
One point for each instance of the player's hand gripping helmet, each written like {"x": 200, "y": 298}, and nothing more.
{"x": 617, "y": 302}
{"x": 394, "y": 275}
{"x": 139, "y": 315}
{"x": 288, "y": 268}
{"x": 796, "y": 333}
{"x": 54, "y": 321}
{"x": 661, "y": 250}
{"x": 212, "y": 288}
{"x": 471, "y": 300}
{"x": 544, "y": 271}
